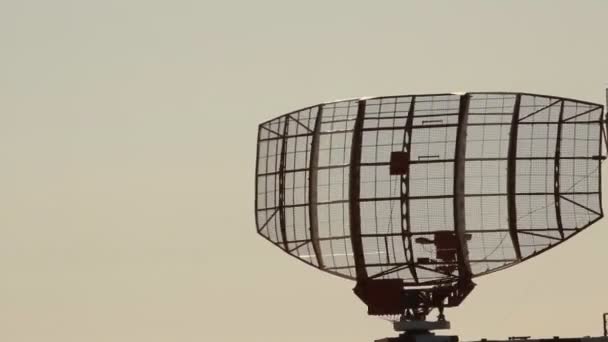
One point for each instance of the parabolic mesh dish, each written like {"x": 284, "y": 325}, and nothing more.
{"x": 367, "y": 187}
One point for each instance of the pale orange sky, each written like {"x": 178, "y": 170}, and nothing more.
{"x": 127, "y": 138}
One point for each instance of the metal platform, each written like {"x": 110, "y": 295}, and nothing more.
{"x": 552, "y": 339}
{"x": 434, "y": 338}
{"x": 421, "y": 331}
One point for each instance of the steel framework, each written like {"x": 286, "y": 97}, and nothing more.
{"x": 428, "y": 190}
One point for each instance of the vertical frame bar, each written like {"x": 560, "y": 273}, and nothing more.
{"x": 405, "y": 192}
{"x": 313, "y": 174}
{"x": 511, "y": 177}
{"x": 282, "y": 183}
{"x": 257, "y": 179}
{"x": 355, "y": 193}
{"x": 556, "y": 172}
{"x": 603, "y": 127}
{"x": 464, "y": 267}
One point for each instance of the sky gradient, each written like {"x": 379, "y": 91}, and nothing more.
{"x": 127, "y": 138}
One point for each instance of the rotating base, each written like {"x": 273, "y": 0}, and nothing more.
{"x": 420, "y": 331}
{"x": 429, "y": 337}
{"x": 420, "y": 326}
{"x": 424, "y": 337}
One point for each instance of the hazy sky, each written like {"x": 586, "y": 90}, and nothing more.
{"x": 127, "y": 139}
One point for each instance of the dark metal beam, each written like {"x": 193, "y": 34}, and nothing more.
{"x": 511, "y": 178}
{"x": 405, "y": 192}
{"x": 313, "y": 174}
{"x": 604, "y": 123}
{"x": 480, "y": 231}
{"x": 604, "y": 134}
{"x": 392, "y": 128}
{"x": 395, "y": 198}
{"x": 386, "y": 250}
{"x": 464, "y": 267}
{"x": 426, "y": 161}
{"x": 434, "y": 270}
{"x": 583, "y": 113}
{"x": 580, "y": 205}
{"x": 279, "y": 135}
{"x": 556, "y": 172}
{"x": 298, "y": 246}
{"x": 282, "y": 165}
{"x": 299, "y": 123}
{"x": 604, "y": 129}
{"x": 540, "y": 110}
{"x": 355, "y": 193}
{"x": 425, "y": 264}
{"x": 541, "y": 235}
{"x": 268, "y": 220}
{"x": 393, "y": 269}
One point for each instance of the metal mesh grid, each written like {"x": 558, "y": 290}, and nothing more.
{"x": 531, "y": 180}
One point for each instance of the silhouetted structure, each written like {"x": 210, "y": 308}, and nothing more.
{"x": 413, "y": 196}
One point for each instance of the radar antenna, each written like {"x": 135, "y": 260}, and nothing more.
{"x": 413, "y": 196}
